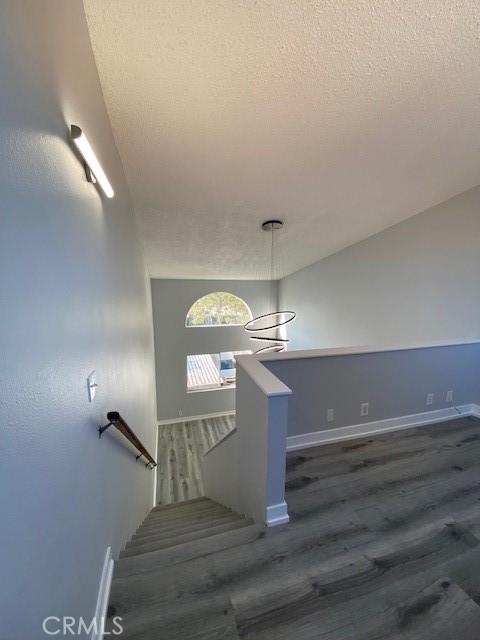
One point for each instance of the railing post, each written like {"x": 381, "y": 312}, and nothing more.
{"x": 246, "y": 469}
{"x": 277, "y": 422}
{"x": 261, "y": 418}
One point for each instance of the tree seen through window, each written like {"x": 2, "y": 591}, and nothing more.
{"x": 217, "y": 309}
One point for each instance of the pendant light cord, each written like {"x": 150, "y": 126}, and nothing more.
{"x": 272, "y": 250}
{"x": 272, "y": 263}
{"x": 274, "y": 319}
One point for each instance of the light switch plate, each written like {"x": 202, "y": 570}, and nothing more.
{"x": 92, "y": 385}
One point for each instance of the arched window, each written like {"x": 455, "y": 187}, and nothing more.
{"x": 218, "y": 309}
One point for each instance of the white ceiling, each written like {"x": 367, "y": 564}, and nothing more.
{"x": 340, "y": 117}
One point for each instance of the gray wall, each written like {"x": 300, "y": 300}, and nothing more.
{"x": 394, "y": 383}
{"x": 256, "y": 489}
{"x": 171, "y": 300}
{"x": 415, "y": 282}
{"x": 73, "y": 297}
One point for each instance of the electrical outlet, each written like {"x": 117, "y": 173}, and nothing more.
{"x": 429, "y": 398}
{"x": 180, "y": 413}
{"x": 364, "y": 409}
{"x": 449, "y": 396}
{"x": 330, "y": 415}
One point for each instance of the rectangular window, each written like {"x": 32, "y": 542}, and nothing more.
{"x": 212, "y": 370}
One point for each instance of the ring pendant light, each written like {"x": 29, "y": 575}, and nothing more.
{"x": 275, "y": 319}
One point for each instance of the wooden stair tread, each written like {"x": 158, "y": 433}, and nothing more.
{"x": 159, "y": 523}
{"x": 174, "y": 540}
{"x": 180, "y": 529}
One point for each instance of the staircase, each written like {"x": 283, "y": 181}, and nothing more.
{"x": 176, "y": 524}
{"x": 148, "y": 571}
{"x": 236, "y": 581}
{"x": 224, "y": 578}
{"x": 383, "y": 544}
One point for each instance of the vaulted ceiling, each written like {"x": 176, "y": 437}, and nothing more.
{"x": 341, "y": 117}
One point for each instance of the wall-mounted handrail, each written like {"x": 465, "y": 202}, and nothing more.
{"x": 116, "y": 420}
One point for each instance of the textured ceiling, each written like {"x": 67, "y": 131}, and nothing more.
{"x": 340, "y": 117}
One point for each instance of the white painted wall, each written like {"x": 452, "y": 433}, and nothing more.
{"x": 171, "y": 301}
{"x": 246, "y": 470}
{"x": 73, "y": 297}
{"x": 415, "y": 282}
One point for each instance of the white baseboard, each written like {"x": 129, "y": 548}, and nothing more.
{"x": 277, "y": 514}
{"x": 103, "y": 596}
{"x": 205, "y": 416}
{"x": 338, "y": 434}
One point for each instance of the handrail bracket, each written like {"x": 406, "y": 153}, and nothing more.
{"x": 102, "y": 429}
{"x": 116, "y": 420}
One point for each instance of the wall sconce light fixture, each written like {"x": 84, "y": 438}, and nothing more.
{"x": 93, "y": 169}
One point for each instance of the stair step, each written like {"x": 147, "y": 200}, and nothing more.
{"x": 363, "y": 560}
{"x": 174, "y": 540}
{"x": 180, "y": 517}
{"x": 379, "y": 591}
{"x": 182, "y": 509}
{"x": 154, "y": 533}
{"x": 177, "y": 505}
{"x": 161, "y": 581}
{"x": 149, "y": 522}
{"x": 157, "y": 560}
{"x": 184, "y": 504}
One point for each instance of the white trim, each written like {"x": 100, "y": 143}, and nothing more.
{"x": 205, "y": 416}
{"x": 222, "y": 439}
{"x": 155, "y": 471}
{"x": 338, "y": 434}
{"x": 276, "y": 514}
{"x": 264, "y": 379}
{"x": 219, "y": 387}
{"x": 103, "y": 596}
{"x": 350, "y": 351}
{"x": 212, "y": 326}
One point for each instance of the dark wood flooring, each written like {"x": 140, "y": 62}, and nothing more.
{"x": 384, "y": 542}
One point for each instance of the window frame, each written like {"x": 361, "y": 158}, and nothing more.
{"x": 216, "y": 326}
{"x": 219, "y": 386}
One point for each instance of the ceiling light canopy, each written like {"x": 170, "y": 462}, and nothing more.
{"x": 93, "y": 169}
